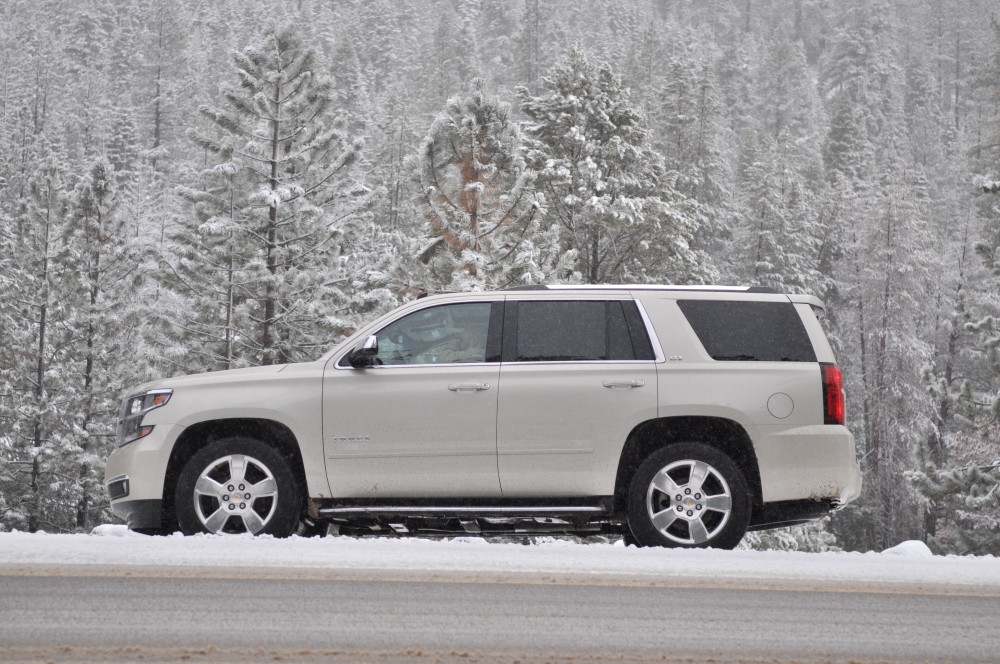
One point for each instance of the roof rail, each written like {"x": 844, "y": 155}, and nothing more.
{"x": 697, "y": 288}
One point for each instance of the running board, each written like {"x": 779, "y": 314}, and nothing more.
{"x": 478, "y": 511}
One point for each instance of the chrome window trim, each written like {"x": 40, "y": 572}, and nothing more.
{"x": 659, "y": 357}
{"x": 576, "y": 362}
{"x": 382, "y": 367}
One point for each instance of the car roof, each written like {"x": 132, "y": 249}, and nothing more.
{"x": 632, "y": 287}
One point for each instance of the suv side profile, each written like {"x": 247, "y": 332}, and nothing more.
{"x": 672, "y": 416}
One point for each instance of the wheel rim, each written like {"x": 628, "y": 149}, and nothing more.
{"x": 689, "y": 502}
{"x": 235, "y": 494}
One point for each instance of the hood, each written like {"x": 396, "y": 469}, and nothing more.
{"x": 232, "y": 375}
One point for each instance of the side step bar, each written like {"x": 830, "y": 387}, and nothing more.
{"x": 479, "y": 511}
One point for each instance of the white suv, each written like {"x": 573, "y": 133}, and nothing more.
{"x": 674, "y": 416}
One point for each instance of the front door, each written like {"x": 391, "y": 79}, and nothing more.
{"x": 422, "y": 421}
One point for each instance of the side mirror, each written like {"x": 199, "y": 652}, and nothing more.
{"x": 364, "y": 355}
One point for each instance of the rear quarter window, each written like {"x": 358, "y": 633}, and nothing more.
{"x": 733, "y": 330}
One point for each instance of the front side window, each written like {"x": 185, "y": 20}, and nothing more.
{"x": 452, "y": 333}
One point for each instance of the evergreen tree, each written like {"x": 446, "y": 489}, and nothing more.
{"x": 691, "y": 131}
{"x": 485, "y": 224}
{"x": 891, "y": 261}
{"x": 270, "y": 215}
{"x": 166, "y": 57}
{"x": 602, "y": 181}
{"x": 40, "y": 489}
{"x": 972, "y": 496}
{"x": 497, "y": 32}
{"x": 788, "y": 106}
{"x": 104, "y": 328}
{"x": 450, "y": 60}
{"x": 777, "y": 241}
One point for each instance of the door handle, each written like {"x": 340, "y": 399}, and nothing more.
{"x": 468, "y": 387}
{"x": 624, "y": 383}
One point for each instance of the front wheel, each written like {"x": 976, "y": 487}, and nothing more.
{"x": 688, "y": 495}
{"x": 238, "y": 485}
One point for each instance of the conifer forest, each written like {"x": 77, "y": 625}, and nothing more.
{"x": 197, "y": 185}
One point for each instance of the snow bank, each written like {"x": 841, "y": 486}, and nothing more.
{"x": 908, "y": 564}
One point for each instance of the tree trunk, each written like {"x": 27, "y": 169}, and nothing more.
{"x": 34, "y": 514}
{"x": 270, "y": 297}
{"x": 83, "y": 504}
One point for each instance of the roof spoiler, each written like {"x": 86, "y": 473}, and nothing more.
{"x": 817, "y": 304}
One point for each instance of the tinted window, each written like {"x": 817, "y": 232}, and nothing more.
{"x": 748, "y": 331}
{"x": 641, "y": 344}
{"x": 561, "y": 331}
{"x": 576, "y": 331}
{"x": 453, "y": 333}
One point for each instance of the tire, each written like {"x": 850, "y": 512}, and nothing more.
{"x": 668, "y": 505}
{"x": 238, "y": 485}
{"x": 629, "y": 539}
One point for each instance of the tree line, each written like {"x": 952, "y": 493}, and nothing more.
{"x": 194, "y": 186}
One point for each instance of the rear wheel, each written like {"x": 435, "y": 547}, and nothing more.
{"x": 689, "y": 495}
{"x": 238, "y": 485}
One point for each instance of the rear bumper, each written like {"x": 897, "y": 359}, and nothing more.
{"x": 790, "y": 513}
{"x": 809, "y": 463}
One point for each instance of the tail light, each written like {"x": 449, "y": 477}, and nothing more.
{"x": 833, "y": 394}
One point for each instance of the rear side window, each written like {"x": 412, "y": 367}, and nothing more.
{"x": 570, "y": 331}
{"x": 749, "y": 331}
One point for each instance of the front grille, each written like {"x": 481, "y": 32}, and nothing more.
{"x": 118, "y": 488}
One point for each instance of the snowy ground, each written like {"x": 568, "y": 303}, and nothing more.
{"x": 114, "y": 550}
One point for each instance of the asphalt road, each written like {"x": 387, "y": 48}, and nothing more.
{"x": 64, "y": 615}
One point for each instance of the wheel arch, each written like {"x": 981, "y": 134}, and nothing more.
{"x": 723, "y": 434}
{"x": 198, "y": 435}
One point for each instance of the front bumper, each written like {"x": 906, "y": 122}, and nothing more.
{"x": 140, "y": 513}
{"x": 134, "y": 476}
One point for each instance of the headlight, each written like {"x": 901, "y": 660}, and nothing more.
{"x": 134, "y": 408}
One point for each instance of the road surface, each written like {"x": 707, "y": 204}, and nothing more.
{"x": 93, "y": 614}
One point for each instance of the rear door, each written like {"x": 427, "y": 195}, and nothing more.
{"x": 577, "y": 376}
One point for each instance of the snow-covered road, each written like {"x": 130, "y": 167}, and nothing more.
{"x": 114, "y": 596}
{"x": 112, "y": 549}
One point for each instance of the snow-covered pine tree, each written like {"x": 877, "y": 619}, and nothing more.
{"x": 776, "y": 239}
{"x": 890, "y": 258}
{"x": 449, "y": 59}
{"x": 164, "y": 45}
{"x": 104, "y": 328}
{"x": 485, "y": 224}
{"x": 497, "y": 29}
{"x": 689, "y": 128}
{"x": 40, "y": 492}
{"x": 788, "y": 107}
{"x": 969, "y": 495}
{"x": 959, "y": 468}
{"x": 350, "y": 94}
{"x": 530, "y": 45}
{"x": 602, "y": 181}
{"x": 270, "y": 213}
{"x": 8, "y": 312}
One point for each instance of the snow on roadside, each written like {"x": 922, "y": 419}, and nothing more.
{"x": 910, "y": 563}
